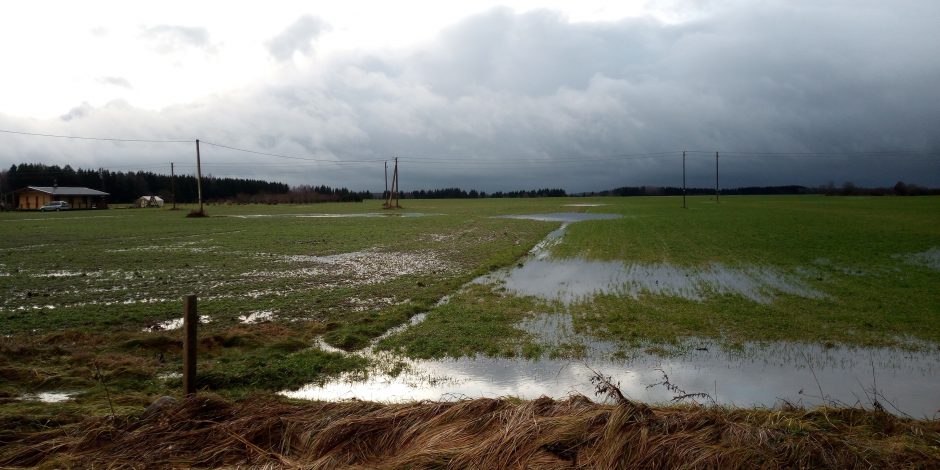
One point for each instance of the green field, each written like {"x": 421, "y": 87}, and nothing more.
{"x": 83, "y": 293}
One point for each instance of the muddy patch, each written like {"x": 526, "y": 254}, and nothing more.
{"x": 585, "y": 205}
{"x": 360, "y": 267}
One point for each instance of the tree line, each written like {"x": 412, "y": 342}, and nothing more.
{"x": 127, "y": 186}
{"x": 847, "y": 189}
{"x": 457, "y": 193}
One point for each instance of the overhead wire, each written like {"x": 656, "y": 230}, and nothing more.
{"x": 110, "y": 139}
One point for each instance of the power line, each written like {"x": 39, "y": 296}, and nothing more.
{"x": 276, "y": 155}
{"x": 110, "y": 139}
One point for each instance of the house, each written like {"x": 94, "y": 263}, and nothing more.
{"x": 34, "y": 197}
{"x": 148, "y": 201}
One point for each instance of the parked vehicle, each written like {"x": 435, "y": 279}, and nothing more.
{"x": 55, "y": 206}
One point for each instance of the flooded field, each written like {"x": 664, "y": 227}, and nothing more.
{"x": 764, "y": 374}
{"x": 754, "y": 302}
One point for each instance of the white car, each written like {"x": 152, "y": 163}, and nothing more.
{"x": 55, "y": 206}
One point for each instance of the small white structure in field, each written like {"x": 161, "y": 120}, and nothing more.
{"x": 149, "y": 201}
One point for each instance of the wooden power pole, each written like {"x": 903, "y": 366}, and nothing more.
{"x": 683, "y": 180}
{"x": 173, "y": 184}
{"x": 198, "y": 176}
{"x": 392, "y": 201}
{"x": 385, "y": 194}
{"x": 190, "y": 320}
{"x": 716, "y": 178}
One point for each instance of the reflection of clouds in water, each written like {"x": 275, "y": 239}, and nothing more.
{"x": 760, "y": 375}
{"x": 566, "y": 217}
{"x": 573, "y": 279}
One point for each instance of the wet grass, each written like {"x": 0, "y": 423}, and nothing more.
{"x": 476, "y": 320}
{"x": 854, "y": 251}
{"x": 210, "y": 432}
{"x": 77, "y": 289}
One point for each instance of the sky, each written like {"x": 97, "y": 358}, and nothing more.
{"x": 491, "y": 95}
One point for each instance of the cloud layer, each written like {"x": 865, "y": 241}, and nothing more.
{"x": 505, "y": 101}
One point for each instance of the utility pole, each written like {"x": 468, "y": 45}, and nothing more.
{"x": 716, "y": 178}
{"x": 198, "y": 176}
{"x": 173, "y": 184}
{"x": 393, "y": 194}
{"x": 683, "y": 181}
{"x": 385, "y": 194}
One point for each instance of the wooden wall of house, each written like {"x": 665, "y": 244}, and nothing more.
{"x": 33, "y": 200}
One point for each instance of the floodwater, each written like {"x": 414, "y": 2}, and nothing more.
{"x": 566, "y": 217}
{"x": 754, "y": 374}
{"x": 336, "y": 216}
{"x": 758, "y": 375}
{"x": 929, "y": 258}
{"x": 258, "y": 316}
{"x": 574, "y": 279}
{"x": 174, "y": 324}
{"x": 49, "y": 397}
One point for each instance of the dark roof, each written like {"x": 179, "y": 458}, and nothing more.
{"x": 67, "y": 190}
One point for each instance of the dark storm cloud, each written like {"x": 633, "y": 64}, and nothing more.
{"x": 296, "y": 38}
{"x": 506, "y": 101}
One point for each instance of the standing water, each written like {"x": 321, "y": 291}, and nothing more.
{"x": 753, "y": 374}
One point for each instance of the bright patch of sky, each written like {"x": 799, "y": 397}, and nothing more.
{"x": 58, "y": 55}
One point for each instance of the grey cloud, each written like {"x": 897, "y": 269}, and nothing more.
{"x": 115, "y": 81}
{"x": 171, "y": 38}
{"x": 297, "y": 38}
{"x": 77, "y": 112}
{"x": 507, "y": 101}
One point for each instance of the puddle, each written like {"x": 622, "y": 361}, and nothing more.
{"x": 567, "y": 217}
{"x": 49, "y": 397}
{"x": 575, "y": 279}
{"x": 759, "y": 375}
{"x": 258, "y": 316}
{"x": 585, "y": 205}
{"x": 174, "y": 324}
{"x": 336, "y": 216}
{"x": 571, "y": 280}
{"x": 929, "y": 258}
{"x": 187, "y": 246}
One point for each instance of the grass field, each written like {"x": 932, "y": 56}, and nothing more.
{"x": 84, "y": 294}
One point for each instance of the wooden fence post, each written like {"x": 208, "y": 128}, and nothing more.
{"x": 190, "y": 320}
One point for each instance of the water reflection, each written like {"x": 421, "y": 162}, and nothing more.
{"x": 567, "y": 217}
{"x": 757, "y": 375}
{"x": 573, "y": 279}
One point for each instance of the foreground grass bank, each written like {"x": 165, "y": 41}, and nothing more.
{"x": 208, "y": 431}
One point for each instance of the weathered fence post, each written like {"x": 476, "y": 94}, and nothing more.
{"x": 190, "y": 319}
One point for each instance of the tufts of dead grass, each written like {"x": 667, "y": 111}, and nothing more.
{"x": 208, "y": 431}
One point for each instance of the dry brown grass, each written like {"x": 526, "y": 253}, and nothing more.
{"x": 208, "y": 431}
